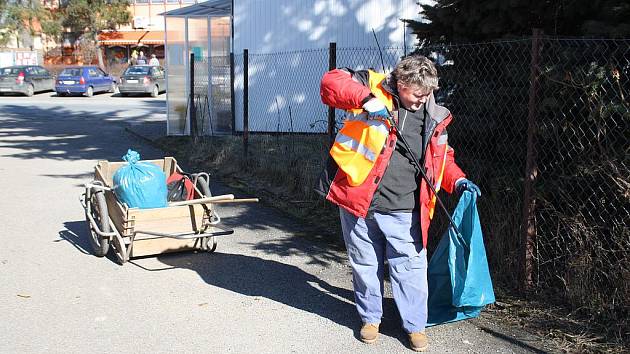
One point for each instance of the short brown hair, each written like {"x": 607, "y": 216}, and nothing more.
{"x": 416, "y": 70}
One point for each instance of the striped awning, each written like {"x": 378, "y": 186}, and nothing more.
{"x": 131, "y": 38}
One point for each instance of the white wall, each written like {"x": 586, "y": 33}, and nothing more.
{"x": 304, "y": 28}
{"x": 268, "y": 26}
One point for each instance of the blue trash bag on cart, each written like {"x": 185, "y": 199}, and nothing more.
{"x": 459, "y": 277}
{"x": 140, "y": 184}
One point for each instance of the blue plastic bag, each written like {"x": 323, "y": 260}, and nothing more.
{"x": 140, "y": 184}
{"x": 459, "y": 277}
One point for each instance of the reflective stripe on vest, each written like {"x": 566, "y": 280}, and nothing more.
{"x": 357, "y": 147}
{"x": 354, "y": 145}
{"x": 438, "y": 184}
{"x": 360, "y": 140}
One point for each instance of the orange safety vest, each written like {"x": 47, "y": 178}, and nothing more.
{"x": 360, "y": 141}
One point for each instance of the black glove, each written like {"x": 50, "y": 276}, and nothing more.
{"x": 466, "y": 185}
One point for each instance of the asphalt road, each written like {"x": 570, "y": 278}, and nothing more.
{"x": 272, "y": 287}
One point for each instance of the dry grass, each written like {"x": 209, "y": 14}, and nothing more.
{"x": 271, "y": 172}
{"x": 570, "y": 331}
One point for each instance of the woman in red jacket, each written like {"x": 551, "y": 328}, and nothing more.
{"x": 385, "y": 205}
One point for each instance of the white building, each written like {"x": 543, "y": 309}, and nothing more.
{"x": 288, "y": 44}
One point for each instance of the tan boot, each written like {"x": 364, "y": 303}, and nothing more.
{"x": 418, "y": 341}
{"x": 369, "y": 332}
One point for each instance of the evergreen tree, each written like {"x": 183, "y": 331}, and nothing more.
{"x": 467, "y": 20}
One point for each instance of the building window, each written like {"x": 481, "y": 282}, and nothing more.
{"x": 157, "y": 1}
{"x": 173, "y": 1}
{"x": 142, "y": 1}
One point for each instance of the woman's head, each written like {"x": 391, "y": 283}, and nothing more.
{"x": 416, "y": 78}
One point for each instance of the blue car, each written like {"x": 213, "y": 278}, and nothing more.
{"x": 84, "y": 80}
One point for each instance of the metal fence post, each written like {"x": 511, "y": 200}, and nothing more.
{"x": 191, "y": 97}
{"x": 232, "y": 97}
{"x": 528, "y": 237}
{"x": 245, "y": 100}
{"x": 332, "y": 64}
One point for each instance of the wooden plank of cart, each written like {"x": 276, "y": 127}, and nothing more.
{"x": 133, "y": 232}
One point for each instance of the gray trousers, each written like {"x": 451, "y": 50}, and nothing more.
{"x": 394, "y": 237}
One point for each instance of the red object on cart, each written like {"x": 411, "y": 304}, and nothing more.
{"x": 180, "y": 187}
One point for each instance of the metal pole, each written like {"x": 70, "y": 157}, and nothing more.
{"x": 528, "y": 236}
{"x": 210, "y": 107}
{"x": 245, "y": 100}
{"x": 232, "y": 96}
{"x": 193, "y": 112}
{"x": 166, "y": 78}
{"x": 332, "y": 64}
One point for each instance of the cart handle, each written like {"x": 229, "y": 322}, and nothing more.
{"x": 220, "y": 199}
{"x": 243, "y": 200}
{"x": 96, "y": 185}
{"x": 203, "y": 200}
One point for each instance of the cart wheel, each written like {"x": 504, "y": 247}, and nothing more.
{"x": 209, "y": 244}
{"x": 100, "y": 244}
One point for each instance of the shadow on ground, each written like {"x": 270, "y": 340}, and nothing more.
{"x": 59, "y": 133}
{"x": 283, "y": 283}
{"x": 76, "y": 233}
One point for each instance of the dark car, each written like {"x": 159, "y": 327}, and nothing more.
{"x": 142, "y": 79}
{"x": 25, "y": 79}
{"x": 84, "y": 80}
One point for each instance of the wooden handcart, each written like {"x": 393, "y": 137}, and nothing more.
{"x": 133, "y": 232}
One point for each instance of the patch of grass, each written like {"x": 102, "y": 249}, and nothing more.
{"x": 279, "y": 170}
{"x": 570, "y": 331}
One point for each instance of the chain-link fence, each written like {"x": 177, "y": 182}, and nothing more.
{"x": 485, "y": 86}
{"x": 542, "y": 125}
{"x": 575, "y": 228}
{"x": 283, "y": 88}
{"x": 581, "y": 198}
{"x": 285, "y": 117}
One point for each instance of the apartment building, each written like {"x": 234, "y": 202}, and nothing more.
{"x": 145, "y": 32}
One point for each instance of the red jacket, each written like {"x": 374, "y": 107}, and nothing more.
{"x": 345, "y": 89}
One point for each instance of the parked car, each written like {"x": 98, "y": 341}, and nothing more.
{"x": 142, "y": 79}
{"x": 85, "y": 80}
{"x": 25, "y": 79}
